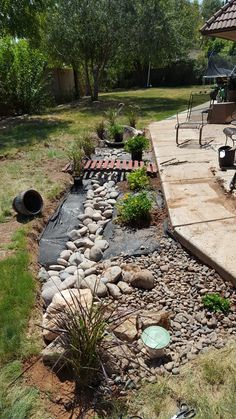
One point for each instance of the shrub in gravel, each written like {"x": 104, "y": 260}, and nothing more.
{"x": 214, "y": 302}
{"x": 134, "y": 209}
{"x": 100, "y": 129}
{"x": 138, "y": 179}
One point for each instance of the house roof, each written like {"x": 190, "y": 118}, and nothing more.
{"x": 223, "y": 23}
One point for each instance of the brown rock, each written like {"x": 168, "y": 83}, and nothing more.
{"x": 140, "y": 278}
{"x": 154, "y": 318}
{"x": 127, "y": 330}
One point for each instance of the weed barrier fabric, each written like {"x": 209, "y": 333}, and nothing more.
{"x": 55, "y": 235}
{"x": 129, "y": 242}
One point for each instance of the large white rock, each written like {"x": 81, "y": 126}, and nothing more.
{"x": 111, "y": 274}
{"x": 70, "y": 300}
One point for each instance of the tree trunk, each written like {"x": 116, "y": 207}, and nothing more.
{"x": 76, "y": 82}
{"x": 88, "y": 90}
{"x": 95, "y": 84}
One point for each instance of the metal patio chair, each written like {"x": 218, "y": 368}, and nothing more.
{"x": 195, "y": 119}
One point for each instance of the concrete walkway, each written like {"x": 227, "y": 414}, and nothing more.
{"x": 203, "y": 216}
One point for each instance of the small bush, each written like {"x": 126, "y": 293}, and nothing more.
{"x": 100, "y": 130}
{"x": 138, "y": 179}
{"x": 137, "y": 144}
{"x": 23, "y": 86}
{"x": 76, "y": 155}
{"x": 134, "y": 209}
{"x": 132, "y": 114}
{"x": 87, "y": 144}
{"x": 116, "y": 132}
{"x": 214, "y": 302}
{"x": 111, "y": 116}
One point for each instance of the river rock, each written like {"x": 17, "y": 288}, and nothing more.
{"x": 95, "y": 254}
{"x": 102, "y": 244}
{"x": 69, "y": 282}
{"x": 54, "y": 351}
{"x": 83, "y": 230}
{"x": 67, "y": 300}
{"x": 87, "y": 264}
{"x": 50, "y": 288}
{"x": 92, "y": 227}
{"x": 73, "y": 234}
{"x": 124, "y": 287}
{"x": 107, "y": 213}
{"x": 86, "y": 242}
{"x": 76, "y": 259}
{"x": 71, "y": 246}
{"x": 114, "y": 291}
{"x": 95, "y": 285}
{"x": 89, "y": 211}
{"x": 139, "y": 278}
{"x": 43, "y": 275}
{"x": 90, "y": 271}
{"x": 71, "y": 269}
{"x": 111, "y": 274}
{"x": 62, "y": 262}
{"x": 97, "y": 216}
{"x": 65, "y": 254}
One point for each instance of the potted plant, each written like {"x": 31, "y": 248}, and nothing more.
{"x": 136, "y": 146}
{"x": 116, "y": 132}
{"x": 76, "y": 155}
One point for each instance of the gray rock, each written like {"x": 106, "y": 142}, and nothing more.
{"x": 43, "y": 275}
{"x": 124, "y": 287}
{"x": 65, "y": 254}
{"x": 108, "y": 213}
{"x": 89, "y": 211}
{"x": 87, "y": 264}
{"x": 68, "y": 283}
{"x": 92, "y": 227}
{"x": 53, "y": 273}
{"x": 71, "y": 246}
{"x": 50, "y": 290}
{"x": 76, "y": 259}
{"x": 111, "y": 274}
{"x": 56, "y": 267}
{"x": 86, "y": 242}
{"x": 82, "y": 217}
{"x": 62, "y": 262}
{"x": 54, "y": 351}
{"x": 114, "y": 291}
{"x": 101, "y": 244}
{"x": 97, "y": 216}
{"x": 95, "y": 254}
{"x": 73, "y": 234}
{"x": 83, "y": 230}
{"x": 90, "y": 271}
{"x": 113, "y": 195}
{"x": 71, "y": 269}
{"x": 87, "y": 221}
{"x": 63, "y": 275}
{"x": 87, "y": 253}
{"x": 95, "y": 285}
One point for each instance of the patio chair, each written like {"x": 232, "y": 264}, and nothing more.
{"x": 229, "y": 133}
{"x": 192, "y": 122}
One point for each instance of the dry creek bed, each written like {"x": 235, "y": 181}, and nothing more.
{"x": 169, "y": 295}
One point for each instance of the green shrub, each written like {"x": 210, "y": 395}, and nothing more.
{"x": 111, "y": 116}
{"x": 100, "y": 129}
{"x": 23, "y": 86}
{"x": 132, "y": 114}
{"x": 214, "y": 302}
{"x": 134, "y": 209}
{"x": 137, "y": 144}
{"x": 76, "y": 155}
{"x": 87, "y": 143}
{"x": 116, "y": 132}
{"x": 138, "y": 179}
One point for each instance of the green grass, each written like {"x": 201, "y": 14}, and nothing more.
{"x": 37, "y": 146}
{"x": 18, "y": 401}
{"x": 16, "y": 300}
{"x": 208, "y": 385}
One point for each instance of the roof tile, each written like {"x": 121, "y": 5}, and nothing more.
{"x": 225, "y": 18}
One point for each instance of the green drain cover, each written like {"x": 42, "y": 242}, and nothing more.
{"x": 155, "y": 337}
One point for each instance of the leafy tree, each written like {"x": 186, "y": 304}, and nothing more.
{"x": 209, "y": 7}
{"x": 87, "y": 33}
{"x": 21, "y": 18}
{"x": 22, "y": 76}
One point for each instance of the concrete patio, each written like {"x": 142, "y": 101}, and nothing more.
{"x": 202, "y": 213}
